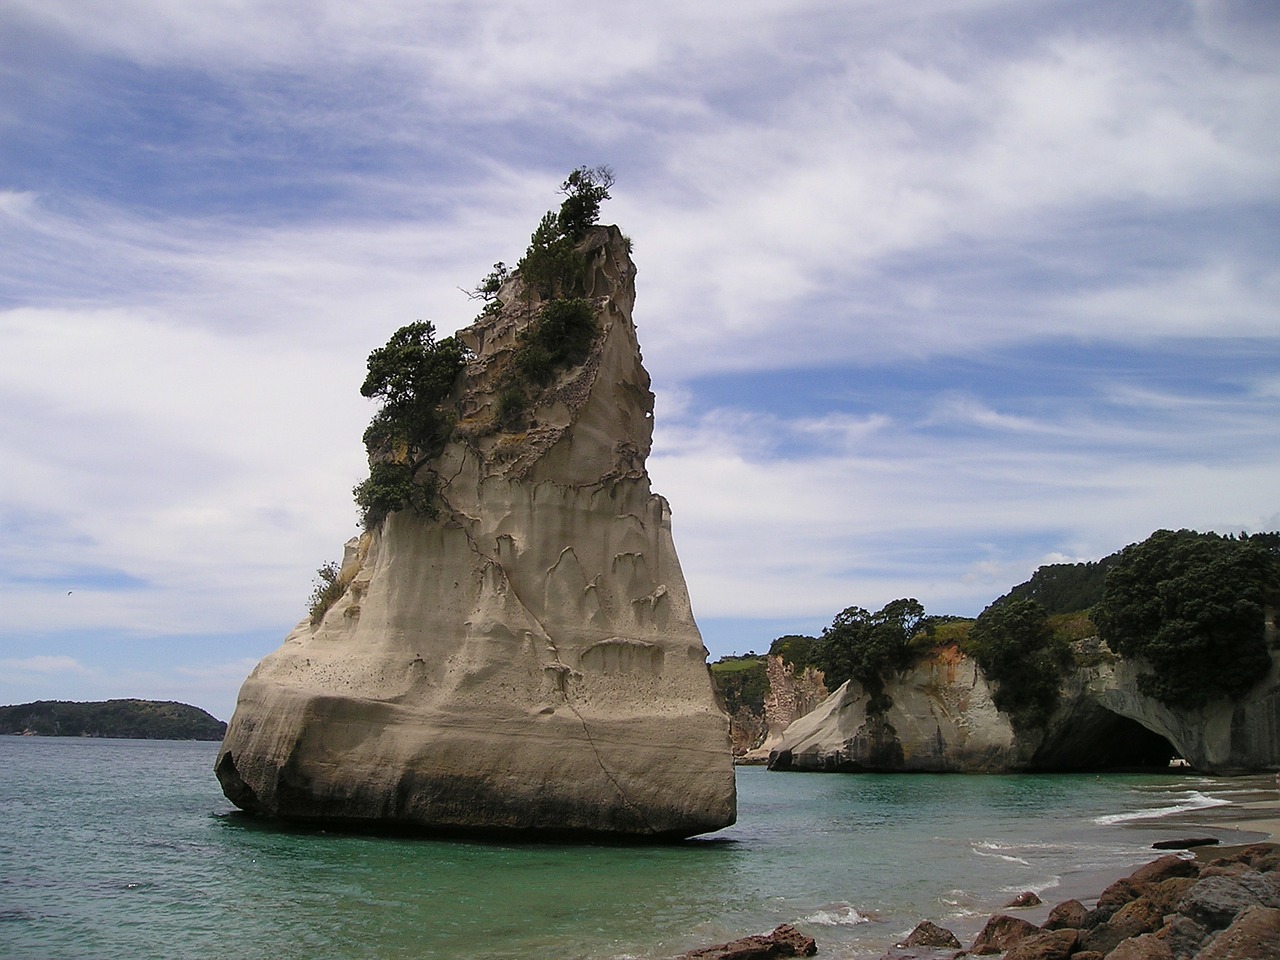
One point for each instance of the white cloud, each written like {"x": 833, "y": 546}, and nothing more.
{"x": 809, "y": 185}
{"x": 42, "y": 664}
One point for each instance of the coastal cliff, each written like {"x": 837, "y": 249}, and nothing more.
{"x": 941, "y": 716}
{"x": 525, "y": 662}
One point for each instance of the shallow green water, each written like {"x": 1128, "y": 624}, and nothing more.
{"x": 115, "y": 848}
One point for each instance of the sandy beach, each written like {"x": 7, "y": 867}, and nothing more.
{"x": 1253, "y": 814}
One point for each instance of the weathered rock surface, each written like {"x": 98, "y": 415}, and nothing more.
{"x": 785, "y": 941}
{"x": 1253, "y": 935}
{"x": 526, "y": 663}
{"x": 1169, "y": 909}
{"x": 1001, "y": 932}
{"x": 942, "y": 718}
{"x": 929, "y": 934}
{"x": 1068, "y": 915}
{"x": 1025, "y": 899}
{"x": 1045, "y": 945}
{"x": 1224, "y": 736}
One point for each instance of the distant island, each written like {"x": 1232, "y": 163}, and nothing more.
{"x": 124, "y": 719}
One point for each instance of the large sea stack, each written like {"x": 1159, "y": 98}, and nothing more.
{"x": 526, "y": 661}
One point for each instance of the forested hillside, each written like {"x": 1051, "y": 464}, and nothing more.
{"x": 126, "y": 719}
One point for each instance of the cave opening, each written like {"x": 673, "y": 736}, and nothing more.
{"x": 1102, "y": 741}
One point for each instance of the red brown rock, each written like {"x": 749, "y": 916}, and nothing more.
{"x": 1165, "y": 895}
{"x": 1163, "y": 869}
{"x": 785, "y": 941}
{"x": 928, "y": 934}
{"x": 1068, "y": 915}
{"x": 1263, "y": 857}
{"x": 1045, "y": 945}
{"x": 1002, "y": 932}
{"x": 1254, "y": 935}
{"x": 1133, "y": 919}
{"x": 1027, "y": 899}
{"x": 1146, "y": 947}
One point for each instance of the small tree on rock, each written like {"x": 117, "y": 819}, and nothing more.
{"x": 413, "y": 375}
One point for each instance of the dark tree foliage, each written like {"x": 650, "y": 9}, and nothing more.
{"x": 394, "y": 485}
{"x": 1015, "y": 645}
{"x": 1064, "y": 587}
{"x": 797, "y": 650}
{"x": 551, "y": 266}
{"x": 868, "y": 647}
{"x": 561, "y": 333}
{"x": 413, "y": 375}
{"x": 584, "y": 190}
{"x": 127, "y": 719}
{"x": 561, "y": 336}
{"x": 1192, "y": 606}
{"x": 487, "y": 289}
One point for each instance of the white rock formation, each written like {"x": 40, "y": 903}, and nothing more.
{"x": 1223, "y": 736}
{"x": 941, "y": 718}
{"x": 526, "y": 663}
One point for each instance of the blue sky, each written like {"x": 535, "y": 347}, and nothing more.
{"x": 931, "y": 293}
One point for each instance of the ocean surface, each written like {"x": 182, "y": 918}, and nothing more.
{"x": 127, "y": 848}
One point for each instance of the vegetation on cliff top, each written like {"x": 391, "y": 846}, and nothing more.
{"x": 125, "y": 719}
{"x": 1192, "y": 606}
{"x": 560, "y": 334}
{"x": 413, "y": 375}
{"x": 1018, "y": 650}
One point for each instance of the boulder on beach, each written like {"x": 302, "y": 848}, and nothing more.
{"x": 784, "y": 941}
{"x": 525, "y": 661}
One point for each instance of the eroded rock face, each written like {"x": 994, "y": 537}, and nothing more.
{"x": 526, "y": 663}
{"x": 941, "y": 718}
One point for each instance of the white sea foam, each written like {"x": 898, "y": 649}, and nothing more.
{"x": 836, "y": 915}
{"x": 990, "y": 848}
{"x": 1195, "y": 800}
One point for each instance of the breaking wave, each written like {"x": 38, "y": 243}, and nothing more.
{"x": 1195, "y": 800}
{"x": 836, "y": 915}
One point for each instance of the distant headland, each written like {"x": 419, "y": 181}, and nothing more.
{"x": 124, "y": 719}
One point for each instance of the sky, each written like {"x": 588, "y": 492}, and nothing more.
{"x": 931, "y": 294}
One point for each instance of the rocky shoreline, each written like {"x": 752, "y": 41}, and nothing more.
{"x": 1173, "y": 908}
{"x": 1214, "y": 894}
{"x": 1222, "y": 904}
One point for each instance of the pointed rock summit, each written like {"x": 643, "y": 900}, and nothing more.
{"x": 525, "y": 661}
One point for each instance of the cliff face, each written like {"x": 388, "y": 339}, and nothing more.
{"x": 790, "y": 697}
{"x": 942, "y": 718}
{"x": 1224, "y": 736}
{"x": 528, "y": 662}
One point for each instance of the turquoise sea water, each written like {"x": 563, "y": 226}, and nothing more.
{"x": 120, "y": 848}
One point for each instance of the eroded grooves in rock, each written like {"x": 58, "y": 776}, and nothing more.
{"x": 528, "y": 662}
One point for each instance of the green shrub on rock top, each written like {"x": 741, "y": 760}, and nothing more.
{"x": 551, "y": 266}
{"x": 413, "y": 374}
{"x": 869, "y": 647}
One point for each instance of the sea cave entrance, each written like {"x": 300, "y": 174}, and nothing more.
{"x": 1098, "y": 740}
